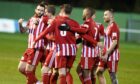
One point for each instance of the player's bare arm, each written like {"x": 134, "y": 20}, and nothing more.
{"x": 22, "y": 29}
{"x": 109, "y": 50}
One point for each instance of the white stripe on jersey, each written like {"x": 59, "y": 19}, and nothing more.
{"x": 89, "y": 52}
{"x": 85, "y": 51}
{"x": 63, "y": 47}
{"x": 35, "y": 58}
{"x": 42, "y": 40}
{"x": 93, "y": 52}
{"x": 52, "y": 58}
{"x": 86, "y": 63}
{"x": 32, "y": 38}
{"x": 114, "y": 55}
{"x": 58, "y": 50}
{"x": 67, "y": 47}
{"x": 72, "y": 48}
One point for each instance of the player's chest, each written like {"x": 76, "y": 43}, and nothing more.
{"x": 34, "y": 22}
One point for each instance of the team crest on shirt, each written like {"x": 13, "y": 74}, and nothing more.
{"x": 85, "y": 25}
{"x": 114, "y": 34}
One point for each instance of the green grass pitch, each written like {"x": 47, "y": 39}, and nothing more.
{"x": 12, "y": 47}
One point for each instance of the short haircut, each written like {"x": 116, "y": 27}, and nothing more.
{"x": 42, "y": 5}
{"x": 110, "y": 10}
{"x": 43, "y": 2}
{"x": 67, "y": 8}
{"x": 91, "y": 11}
{"x": 51, "y": 9}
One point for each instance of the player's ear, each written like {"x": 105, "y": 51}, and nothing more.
{"x": 94, "y": 16}
{"x": 35, "y": 10}
{"x": 111, "y": 16}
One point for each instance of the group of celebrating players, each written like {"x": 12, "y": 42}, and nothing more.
{"x": 53, "y": 41}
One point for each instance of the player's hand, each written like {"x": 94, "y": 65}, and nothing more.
{"x": 33, "y": 44}
{"x": 30, "y": 51}
{"x": 64, "y": 27}
{"x": 105, "y": 57}
{"x": 20, "y": 21}
{"x": 36, "y": 21}
{"x": 104, "y": 54}
{"x": 100, "y": 44}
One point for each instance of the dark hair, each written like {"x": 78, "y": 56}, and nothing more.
{"x": 43, "y": 2}
{"x": 91, "y": 11}
{"x": 42, "y": 5}
{"x": 51, "y": 9}
{"x": 67, "y": 8}
{"x": 110, "y": 10}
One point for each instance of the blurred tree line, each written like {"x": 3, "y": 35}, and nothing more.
{"x": 117, "y": 5}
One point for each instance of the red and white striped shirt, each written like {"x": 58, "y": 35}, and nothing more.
{"x": 65, "y": 40}
{"x": 35, "y": 30}
{"x": 101, "y": 34}
{"x": 88, "y": 50}
{"x": 66, "y": 49}
{"x": 51, "y": 45}
{"x": 112, "y": 33}
{"x": 100, "y": 29}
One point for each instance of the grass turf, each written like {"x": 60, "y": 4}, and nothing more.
{"x": 12, "y": 47}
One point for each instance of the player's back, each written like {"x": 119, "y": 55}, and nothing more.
{"x": 65, "y": 40}
{"x": 65, "y": 37}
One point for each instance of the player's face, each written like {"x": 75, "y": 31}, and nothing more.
{"x": 84, "y": 14}
{"x": 107, "y": 16}
{"x": 48, "y": 14}
{"x": 39, "y": 11}
{"x": 46, "y": 11}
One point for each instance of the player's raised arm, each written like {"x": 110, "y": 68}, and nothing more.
{"x": 21, "y": 28}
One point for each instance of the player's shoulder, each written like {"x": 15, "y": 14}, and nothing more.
{"x": 72, "y": 21}
{"x": 98, "y": 23}
{"x": 58, "y": 18}
{"x": 114, "y": 25}
{"x": 45, "y": 17}
{"x": 89, "y": 20}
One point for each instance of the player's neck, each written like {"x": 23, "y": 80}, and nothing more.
{"x": 88, "y": 18}
{"x": 52, "y": 17}
{"x": 111, "y": 21}
{"x": 65, "y": 15}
